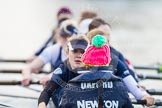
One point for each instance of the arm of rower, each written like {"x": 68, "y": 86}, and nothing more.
{"x": 122, "y": 58}
{"x": 134, "y": 88}
{"x": 137, "y": 91}
{"x": 34, "y": 67}
{"x": 49, "y": 89}
{"x": 46, "y": 78}
{"x": 50, "y": 39}
{"x": 129, "y": 81}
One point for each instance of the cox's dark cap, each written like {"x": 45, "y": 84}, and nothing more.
{"x": 78, "y": 44}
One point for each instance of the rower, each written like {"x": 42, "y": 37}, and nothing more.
{"x": 63, "y": 14}
{"x": 66, "y": 71}
{"x": 96, "y": 87}
{"x": 106, "y": 28}
{"x": 54, "y": 54}
{"x": 86, "y": 18}
{"x": 122, "y": 71}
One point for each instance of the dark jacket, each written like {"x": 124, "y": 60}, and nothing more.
{"x": 94, "y": 88}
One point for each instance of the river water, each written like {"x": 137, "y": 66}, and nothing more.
{"x": 26, "y": 24}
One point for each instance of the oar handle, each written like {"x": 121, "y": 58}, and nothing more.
{"x": 13, "y": 82}
{"x": 34, "y": 82}
{"x": 142, "y": 102}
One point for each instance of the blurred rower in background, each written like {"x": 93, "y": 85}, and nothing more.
{"x": 106, "y": 28}
{"x": 86, "y": 18}
{"x": 63, "y": 14}
{"x": 54, "y": 54}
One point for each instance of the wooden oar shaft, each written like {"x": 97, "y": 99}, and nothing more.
{"x": 13, "y": 82}
{"x": 17, "y": 71}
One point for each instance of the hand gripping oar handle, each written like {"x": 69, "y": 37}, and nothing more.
{"x": 158, "y": 102}
{"x": 142, "y": 76}
{"x": 13, "y": 82}
{"x": 154, "y": 92}
{"x": 13, "y": 60}
{"x": 17, "y": 71}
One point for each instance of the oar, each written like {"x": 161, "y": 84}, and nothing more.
{"x": 14, "y": 82}
{"x": 157, "y": 68}
{"x": 36, "y": 90}
{"x": 15, "y": 96}
{"x": 17, "y": 71}
{"x": 154, "y": 92}
{"x": 13, "y": 60}
{"x": 156, "y": 77}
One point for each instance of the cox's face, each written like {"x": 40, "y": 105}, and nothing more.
{"x": 75, "y": 57}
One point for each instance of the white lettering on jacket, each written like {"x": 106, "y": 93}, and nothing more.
{"x": 95, "y": 85}
{"x": 94, "y": 104}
